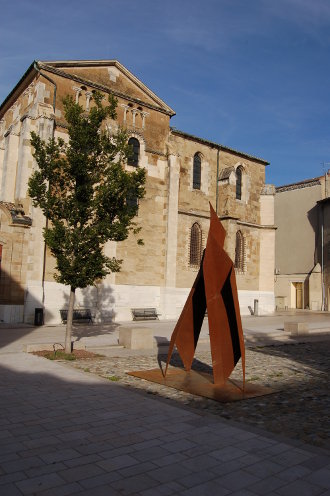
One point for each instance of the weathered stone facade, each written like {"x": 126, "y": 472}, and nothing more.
{"x": 179, "y": 188}
{"x": 302, "y": 261}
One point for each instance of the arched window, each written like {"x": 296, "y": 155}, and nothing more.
{"x": 239, "y": 252}
{"x": 239, "y": 174}
{"x": 195, "y": 255}
{"x": 134, "y": 157}
{"x": 197, "y": 170}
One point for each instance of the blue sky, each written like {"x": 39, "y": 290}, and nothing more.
{"x": 252, "y": 75}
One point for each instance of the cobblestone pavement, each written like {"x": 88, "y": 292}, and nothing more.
{"x": 299, "y": 409}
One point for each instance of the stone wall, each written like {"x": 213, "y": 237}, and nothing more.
{"x": 159, "y": 273}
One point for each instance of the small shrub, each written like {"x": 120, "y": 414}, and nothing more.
{"x": 113, "y": 378}
{"x": 60, "y": 355}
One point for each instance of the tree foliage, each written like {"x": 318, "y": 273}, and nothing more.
{"x": 83, "y": 189}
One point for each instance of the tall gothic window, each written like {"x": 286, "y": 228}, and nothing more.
{"x": 134, "y": 157}
{"x": 195, "y": 255}
{"x": 197, "y": 171}
{"x": 239, "y": 174}
{"x": 239, "y": 252}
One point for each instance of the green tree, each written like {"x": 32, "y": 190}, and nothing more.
{"x": 86, "y": 196}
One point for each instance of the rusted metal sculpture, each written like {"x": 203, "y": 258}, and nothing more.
{"x": 214, "y": 290}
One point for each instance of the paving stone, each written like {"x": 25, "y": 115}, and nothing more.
{"x": 264, "y": 468}
{"x": 13, "y": 477}
{"x": 300, "y": 488}
{"x": 246, "y": 492}
{"x": 169, "y": 473}
{"x": 316, "y": 462}
{"x": 60, "y": 455}
{"x": 320, "y": 477}
{"x": 150, "y": 454}
{"x": 117, "y": 462}
{"x": 179, "y": 446}
{"x": 292, "y": 457}
{"x": 292, "y": 473}
{"x": 228, "y": 453}
{"x": 267, "y": 485}
{"x": 38, "y": 484}
{"x": 105, "y": 490}
{"x": 170, "y": 459}
{"x": 22, "y": 464}
{"x": 44, "y": 469}
{"x": 206, "y": 489}
{"x": 133, "y": 485}
{"x": 100, "y": 480}
{"x": 80, "y": 473}
{"x": 197, "y": 478}
{"x": 163, "y": 490}
{"x": 201, "y": 462}
{"x": 237, "y": 480}
{"x": 137, "y": 469}
{"x": 10, "y": 490}
{"x": 228, "y": 467}
{"x": 83, "y": 460}
{"x": 65, "y": 490}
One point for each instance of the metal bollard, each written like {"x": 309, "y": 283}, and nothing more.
{"x": 255, "y": 307}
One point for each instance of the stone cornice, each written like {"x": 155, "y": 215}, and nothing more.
{"x": 307, "y": 183}
{"x": 109, "y": 64}
{"x": 247, "y": 224}
{"x": 194, "y": 214}
{"x": 105, "y": 89}
{"x": 217, "y": 146}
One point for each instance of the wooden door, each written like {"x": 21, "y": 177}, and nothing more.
{"x": 299, "y": 294}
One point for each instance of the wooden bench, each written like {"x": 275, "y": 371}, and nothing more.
{"x": 79, "y": 315}
{"x": 144, "y": 313}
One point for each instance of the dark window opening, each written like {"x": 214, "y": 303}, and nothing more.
{"x": 197, "y": 171}
{"x": 134, "y": 157}
{"x": 239, "y": 183}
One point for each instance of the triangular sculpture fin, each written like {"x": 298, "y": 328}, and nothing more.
{"x": 214, "y": 289}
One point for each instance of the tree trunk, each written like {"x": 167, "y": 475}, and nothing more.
{"x": 68, "y": 347}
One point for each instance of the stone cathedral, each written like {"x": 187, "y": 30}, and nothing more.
{"x": 184, "y": 174}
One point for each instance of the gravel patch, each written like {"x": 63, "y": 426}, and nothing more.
{"x": 299, "y": 409}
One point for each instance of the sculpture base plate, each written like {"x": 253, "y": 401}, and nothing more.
{"x": 201, "y": 384}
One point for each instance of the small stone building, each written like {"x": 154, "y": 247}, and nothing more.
{"x": 184, "y": 174}
{"x": 302, "y": 257}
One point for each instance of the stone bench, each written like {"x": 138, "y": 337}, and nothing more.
{"x": 136, "y": 338}
{"x": 296, "y": 328}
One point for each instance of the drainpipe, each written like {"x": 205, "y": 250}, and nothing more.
{"x": 322, "y": 260}
{"x": 217, "y": 185}
{"x": 36, "y": 67}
